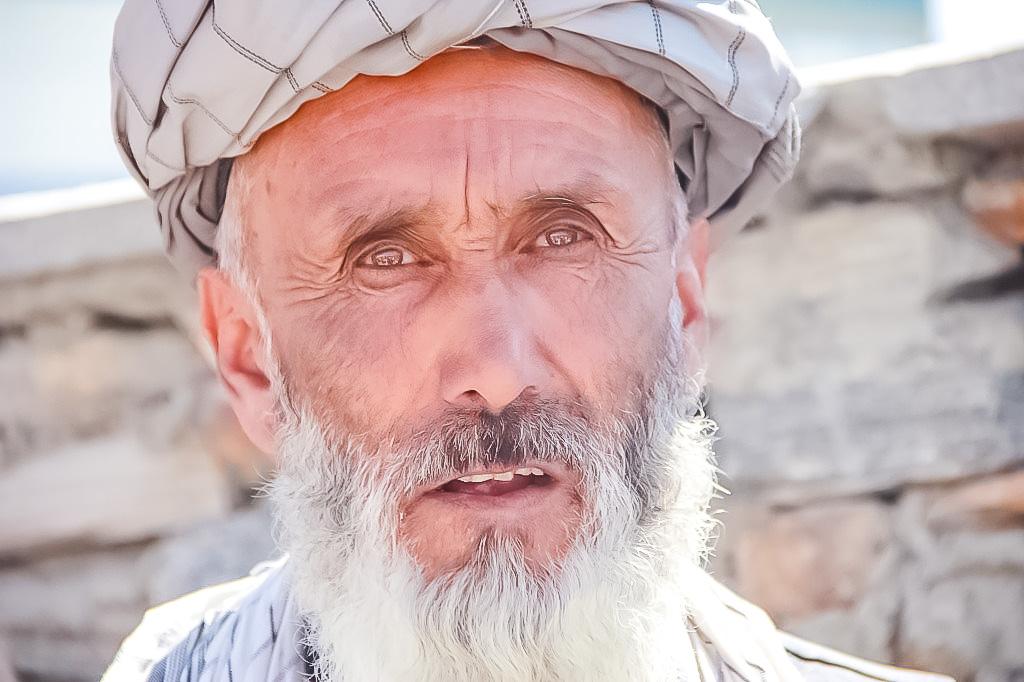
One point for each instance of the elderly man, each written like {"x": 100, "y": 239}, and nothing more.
{"x": 458, "y": 294}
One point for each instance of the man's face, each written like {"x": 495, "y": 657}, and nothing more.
{"x": 468, "y": 334}
{"x": 484, "y": 236}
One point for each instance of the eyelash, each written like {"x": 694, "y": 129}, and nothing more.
{"x": 581, "y": 235}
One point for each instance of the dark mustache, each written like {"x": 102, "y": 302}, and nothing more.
{"x": 555, "y": 431}
{"x": 520, "y": 433}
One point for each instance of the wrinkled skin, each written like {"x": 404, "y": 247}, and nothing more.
{"x": 490, "y": 227}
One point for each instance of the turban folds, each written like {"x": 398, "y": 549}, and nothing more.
{"x": 195, "y": 82}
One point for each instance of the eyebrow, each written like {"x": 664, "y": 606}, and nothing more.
{"x": 586, "y": 188}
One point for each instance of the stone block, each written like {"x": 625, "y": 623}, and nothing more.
{"x": 996, "y": 500}
{"x": 998, "y": 206}
{"x": 865, "y": 629}
{"x": 143, "y": 290}
{"x": 209, "y": 553}
{"x": 91, "y": 354}
{"x": 6, "y": 666}
{"x": 893, "y": 130}
{"x": 962, "y": 587}
{"x": 101, "y": 381}
{"x": 917, "y": 103}
{"x": 64, "y": 617}
{"x": 965, "y": 624}
{"x": 804, "y": 562}
{"x": 113, "y": 490}
{"x": 851, "y": 163}
{"x": 838, "y": 367}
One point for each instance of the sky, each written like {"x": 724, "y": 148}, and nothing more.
{"x": 55, "y": 121}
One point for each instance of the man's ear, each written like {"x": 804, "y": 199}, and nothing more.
{"x": 229, "y": 323}
{"x": 691, "y": 265}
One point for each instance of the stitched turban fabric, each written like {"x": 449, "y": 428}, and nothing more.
{"x": 195, "y": 83}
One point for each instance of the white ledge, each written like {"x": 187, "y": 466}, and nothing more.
{"x": 62, "y": 229}
{"x": 27, "y": 205}
{"x": 895, "y": 63}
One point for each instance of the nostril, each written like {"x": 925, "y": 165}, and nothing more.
{"x": 472, "y": 398}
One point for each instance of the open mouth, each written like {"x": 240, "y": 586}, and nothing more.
{"x": 501, "y": 486}
{"x": 497, "y": 483}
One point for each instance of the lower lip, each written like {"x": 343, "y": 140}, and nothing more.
{"x": 494, "y": 494}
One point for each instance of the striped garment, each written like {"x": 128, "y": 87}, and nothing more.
{"x": 248, "y": 630}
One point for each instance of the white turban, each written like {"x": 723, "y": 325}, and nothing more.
{"x": 195, "y": 83}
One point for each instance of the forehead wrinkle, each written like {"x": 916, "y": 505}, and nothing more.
{"x": 499, "y": 94}
{"x": 395, "y": 96}
{"x": 593, "y": 181}
{"x": 353, "y": 137}
{"x": 334, "y": 195}
{"x": 445, "y": 114}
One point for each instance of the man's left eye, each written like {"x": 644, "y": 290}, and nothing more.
{"x": 387, "y": 257}
{"x": 560, "y": 236}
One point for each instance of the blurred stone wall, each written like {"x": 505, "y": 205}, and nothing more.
{"x": 867, "y": 372}
{"x": 124, "y": 479}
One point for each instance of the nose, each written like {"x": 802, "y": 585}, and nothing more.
{"x": 492, "y": 357}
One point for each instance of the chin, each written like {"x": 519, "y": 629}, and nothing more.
{"x": 536, "y": 506}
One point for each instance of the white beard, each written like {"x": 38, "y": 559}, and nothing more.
{"x": 614, "y": 609}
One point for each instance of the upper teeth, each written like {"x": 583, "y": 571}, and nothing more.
{"x": 502, "y": 476}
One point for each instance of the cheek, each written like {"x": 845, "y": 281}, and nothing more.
{"x": 354, "y": 362}
{"x": 604, "y": 324}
